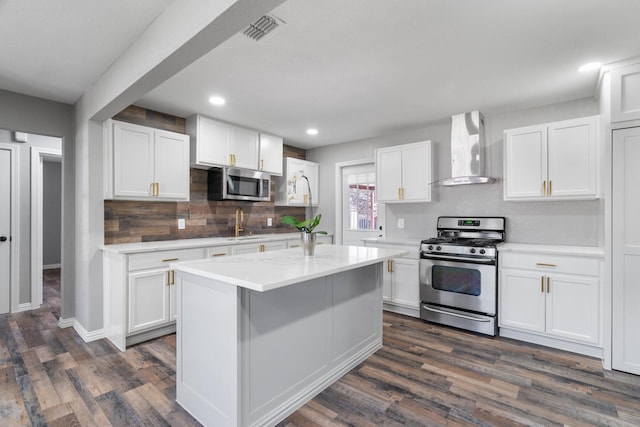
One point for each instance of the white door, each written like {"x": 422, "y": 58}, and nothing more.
{"x": 149, "y": 292}
{"x": 572, "y": 158}
{"x": 244, "y": 147}
{"x": 626, "y": 250}
{"x": 416, "y": 171}
{"x": 5, "y": 231}
{"x": 405, "y": 288}
{"x": 359, "y": 204}
{"x": 522, "y": 299}
{"x": 133, "y": 160}
{"x": 525, "y": 162}
{"x": 389, "y": 174}
{"x": 171, "y": 165}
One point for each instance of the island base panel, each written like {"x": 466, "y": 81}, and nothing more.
{"x": 287, "y": 344}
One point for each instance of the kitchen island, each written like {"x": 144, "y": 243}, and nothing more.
{"x": 259, "y": 335}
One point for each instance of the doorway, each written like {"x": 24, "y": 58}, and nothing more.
{"x": 45, "y": 222}
{"x": 8, "y": 221}
{"x": 357, "y": 209}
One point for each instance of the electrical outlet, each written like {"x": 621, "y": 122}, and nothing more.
{"x": 269, "y": 222}
{"x": 400, "y": 222}
{"x": 181, "y": 223}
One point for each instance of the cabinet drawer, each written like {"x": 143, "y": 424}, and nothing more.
{"x": 551, "y": 263}
{"x": 162, "y": 258}
{"x": 217, "y": 251}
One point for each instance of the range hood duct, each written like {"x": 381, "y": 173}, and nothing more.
{"x": 467, "y": 151}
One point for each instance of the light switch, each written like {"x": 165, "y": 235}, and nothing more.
{"x": 400, "y": 222}
{"x": 181, "y": 223}
{"x": 269, "y": 222}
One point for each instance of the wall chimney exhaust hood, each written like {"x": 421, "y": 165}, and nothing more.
{"x": 467, "y": 151}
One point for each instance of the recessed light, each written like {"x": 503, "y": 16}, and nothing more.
{"x": 591, "y": 66}
{"x": 217, "y": 100}
{"x": 312, "y": 131}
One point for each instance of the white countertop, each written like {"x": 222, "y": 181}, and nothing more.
{"x": 130, "y": 248}
{"x": 594, "y": 251}
{"x": 265, "y": 271}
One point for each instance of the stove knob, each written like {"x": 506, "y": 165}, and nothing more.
{"x": 472, "y": 250}
{"x": 430, "y": 247}
{"x": 438, "y": 248}
{"x": 482, "y": 251}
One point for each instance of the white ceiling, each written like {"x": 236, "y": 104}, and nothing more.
{"x": 351, "y": 68}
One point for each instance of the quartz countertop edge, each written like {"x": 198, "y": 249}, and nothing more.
{"x": 394, "y": 241}
{"x": 276, "y": 269}
{"x": 593, "y": 251}
{"x": 165, "y": 245}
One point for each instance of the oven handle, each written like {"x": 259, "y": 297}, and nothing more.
{"x": 459, "y": 259}
{"x": 476, "y": 319}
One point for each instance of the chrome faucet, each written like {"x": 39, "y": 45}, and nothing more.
{"x": 239, "y": 219}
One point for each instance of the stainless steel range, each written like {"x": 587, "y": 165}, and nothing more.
{"x": 459, "y": 273}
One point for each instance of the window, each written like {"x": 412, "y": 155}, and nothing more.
{"x": 363, "y": 210}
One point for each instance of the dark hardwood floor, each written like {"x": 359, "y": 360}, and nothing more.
{"x": 424, "y": 375}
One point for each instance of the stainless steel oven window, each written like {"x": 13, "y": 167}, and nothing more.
{"x": 456, "y": 279}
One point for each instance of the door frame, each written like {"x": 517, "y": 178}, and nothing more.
{"x": 338, "y": 192}
{"x": 14, "y": 226}
{"x": 38, "y": 156}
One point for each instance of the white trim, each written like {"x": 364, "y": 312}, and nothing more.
{"x": 26, "y": 306}
{"x": 38, "y": 155}
{"x": 65, "y": 323}
{"x": 88, "y": 336}
{"x": 547, "y": 341}
{"x": 14, "y": 227}
{"x": 51, "y": 266}
{"x": 338, "y": 193}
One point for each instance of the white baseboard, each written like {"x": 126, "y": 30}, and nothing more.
{"x": 88, "y": 336}
{"x": 24, "y": 307}
{"x": 65, "y": 323}
{"x": 51, "y": 266}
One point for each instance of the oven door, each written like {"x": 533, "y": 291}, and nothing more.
{"x": 461, "y": 283}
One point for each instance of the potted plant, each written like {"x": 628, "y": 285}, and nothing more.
{"x": 306, "y": 227}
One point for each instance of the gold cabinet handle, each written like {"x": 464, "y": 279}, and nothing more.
{"x": 399, "y": 193}
{"x": 295, "y": 246}
{"x": 168, "y": 277}
{"x": 544, "y": 187}
{"x": 544, "y": 264}
{"x": 173, "y": 277}
{"x": 261, "y": 164}
{"x": 542, "y": 284}
{"x": 390, "y": 266}
{"x": 550, "y": 187}
{"x": 169, "y": 259}
{"x": 219, "y": 254}
{"x": 548, "y": 284}
{"x": 402, "y": 193}
{"x": 261, "y": 248}
{"x": 306, "y": 198}
{"x": 154, "y": 191}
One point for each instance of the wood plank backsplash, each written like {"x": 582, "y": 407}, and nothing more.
{"x": 137, "y": 221}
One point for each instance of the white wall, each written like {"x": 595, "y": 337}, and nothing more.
{"x": 570, "y": 223}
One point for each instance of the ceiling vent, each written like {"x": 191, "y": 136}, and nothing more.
{"x": 262, "y": 27}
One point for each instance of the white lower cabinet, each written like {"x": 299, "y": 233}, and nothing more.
{"x": 140, "y": 294}
{"x": 149, "y": 299}
{"x": 400, "y": 280}
{"x": 551, "y": 299}
{"x": 139, "y": 287}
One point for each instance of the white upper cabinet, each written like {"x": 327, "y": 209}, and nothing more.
{"x": 292, "y": 188}
{"x": 143, "y": 163}
{"x": 243, "y": 148}
{"x": 215, "y": 143}
{"x": 404, "y": 173}
{"x": 552, "y": 161}
{"x": 271, "y": 149}
{"x": 625, "y": 93}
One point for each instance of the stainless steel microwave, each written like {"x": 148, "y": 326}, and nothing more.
{"x": 238, "y": 184}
